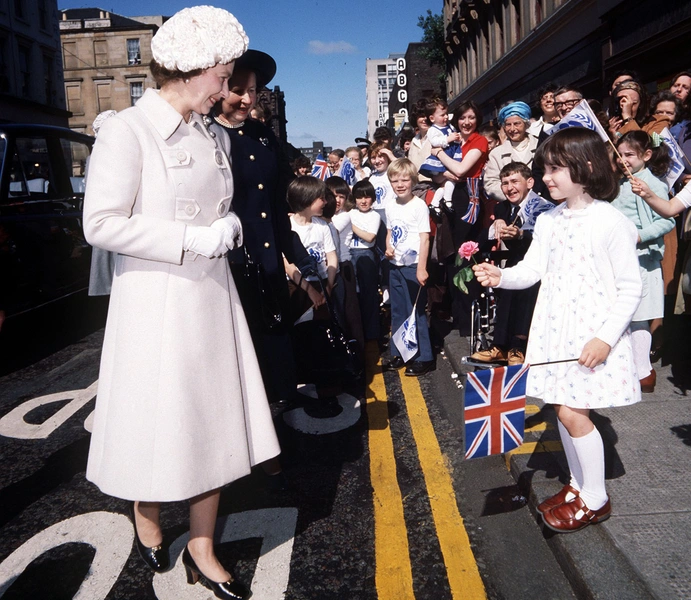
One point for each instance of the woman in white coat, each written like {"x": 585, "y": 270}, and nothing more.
{"x": 181, "y": 408}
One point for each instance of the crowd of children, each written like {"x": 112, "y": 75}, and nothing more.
{"x": 577, "y": 267}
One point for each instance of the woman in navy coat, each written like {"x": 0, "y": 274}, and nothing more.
{"x": 261, "y": 175}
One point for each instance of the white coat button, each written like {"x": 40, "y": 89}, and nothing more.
{"x": 189, "y": 209}
{"x": 251, "y": 156}
{"x": 260, "y": 186}
{"x": 221, "y": 207}
{"x": 263, "y": 215}
{"x": 181, "y": 156}
{"x": 267, "y": 245}
{"x": 219, "y": 158}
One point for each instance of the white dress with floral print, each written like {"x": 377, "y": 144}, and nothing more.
{"x": 571, "y": 308}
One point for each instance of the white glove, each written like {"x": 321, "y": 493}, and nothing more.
{"x": 231, "y": 228}
{"x": 204, "y": 240}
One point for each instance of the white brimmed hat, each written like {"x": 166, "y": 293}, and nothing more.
{"x": 198, "y": 37}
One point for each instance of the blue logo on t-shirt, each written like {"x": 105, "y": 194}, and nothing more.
{"x": 316, "y": 255}
{"x": 398, "y": 234}
{"x": 380, "y": 194}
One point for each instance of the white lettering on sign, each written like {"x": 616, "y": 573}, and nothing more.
{"x": 400, "y": 64}
{"x": 110, "y": 534}
{"x": 402, "y": 80}
{"x": 276, "y": 527}
{"x": 14, "y": 425}
{"x": 402, "y": 95}
{"x": 403, "y": 112}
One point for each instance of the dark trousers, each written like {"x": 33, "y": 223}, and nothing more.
{"x": 366, "y": 272}
{"x": 403, "y": 288}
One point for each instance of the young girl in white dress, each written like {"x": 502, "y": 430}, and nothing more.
{"x": 584, "y": 254}
{"x": 649, "y": 161}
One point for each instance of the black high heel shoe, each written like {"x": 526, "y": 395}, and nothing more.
{"x": 156, "y": 557}
{"x": 227, "y": 590}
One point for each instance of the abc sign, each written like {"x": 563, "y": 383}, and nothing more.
{"x": 402, "y": 96}
{"x": 400, "y": 64}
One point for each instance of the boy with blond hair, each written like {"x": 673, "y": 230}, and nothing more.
{"x": 407, "y": 248}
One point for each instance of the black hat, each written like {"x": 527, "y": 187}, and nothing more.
{"x": 263, "y": 66}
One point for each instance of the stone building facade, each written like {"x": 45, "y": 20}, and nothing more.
{"x": 106, "y": 62}
{"x": 500, "y": 50}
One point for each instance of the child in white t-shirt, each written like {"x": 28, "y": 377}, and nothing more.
{"x": 407, "y": 248}
{"x": 345, "y": 292}
{"x": 365, "y": 223}
{"x": 306, "y": 198}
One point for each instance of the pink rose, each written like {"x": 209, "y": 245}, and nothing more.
{"x": 467, "y": 249}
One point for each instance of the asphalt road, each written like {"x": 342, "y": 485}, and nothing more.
{"x": 381, "y": 503}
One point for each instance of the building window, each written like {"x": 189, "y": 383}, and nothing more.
{"x": 69, "y": 55}
{"x": 517, "y": 22}
{"x": 48, "y": 79}
{"x": 74, "y": 98}
{"x": 136, "y": 91}
{"x": 4, "y": 80}
{"x": 19, "y": 9}
{"x": 101, "y": 53}
{"x": 103, "y": 96}
{"x": 134, "y": 56}
{"x": 381, "y": 69}
{"x": 538, "y": 12}
{"x": 24, "y": 71}
{"x": 43, "y": 14}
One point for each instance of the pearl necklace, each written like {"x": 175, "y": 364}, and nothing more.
{"x": 221, "y": 120}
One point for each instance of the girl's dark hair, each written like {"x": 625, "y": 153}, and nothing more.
{"x": 364, "y": 189}
{"x": 489, "y": 130}
{"x": 583, "y": 153}
{"x": 666, "y": 96}
{"x": 303, "y": 191}
{"x": 465, "y": 107}
{"x": 162, "y": 75}
{"x": 432, "y": 106}
{"x": 301, "y": 161}
{"x": 338, "y": 185}
{"x": 640, "y": 141}
{"x": 330, "y": 204}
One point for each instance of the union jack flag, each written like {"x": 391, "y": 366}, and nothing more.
{"x": 320, "y": 170}
{"x": 494, "y": 410}
{"x": 473, "y": 184}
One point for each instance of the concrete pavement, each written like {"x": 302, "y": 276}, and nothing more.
{"x": 644, "y": 550}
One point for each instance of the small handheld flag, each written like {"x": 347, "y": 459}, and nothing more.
{"x": 405, "y": 337}
{"x": 320, "y": 170}
{"x": 676, "y": 167}
{"x": 347, "y": 172}
{"x": 581, "y": 116}
{"x": 494, "y": 410}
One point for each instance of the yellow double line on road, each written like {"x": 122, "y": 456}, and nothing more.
{"x": 393, "y": 569}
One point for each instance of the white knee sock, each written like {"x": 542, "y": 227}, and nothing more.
{"x": 571, "y": 458}
{"x": 449, "y": 187}
{"x": 641, "y": 340}
{"x": 591, "y": 456}
{"x": 438, "y": 195}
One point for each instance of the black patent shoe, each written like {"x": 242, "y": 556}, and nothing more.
{"x": 395, "y": 363}
{"x": 156, "y": 557}
{"x": 419, "y": 367}
{"x": 227, "y": 590}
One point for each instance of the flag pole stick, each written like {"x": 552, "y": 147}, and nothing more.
{"x": 611, "y": 143}
{"x": 554, "y": 362}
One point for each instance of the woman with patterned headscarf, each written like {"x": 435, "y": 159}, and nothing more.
{"x": 519, "y": 146}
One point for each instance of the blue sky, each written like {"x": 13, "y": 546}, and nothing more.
{"x": 320, "y": 48}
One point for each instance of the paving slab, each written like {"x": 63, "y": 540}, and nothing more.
{"x": 644, "y": 550}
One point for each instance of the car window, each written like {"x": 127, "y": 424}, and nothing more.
{"x": 75, "y": 155}
{"x": 31, "y": 173}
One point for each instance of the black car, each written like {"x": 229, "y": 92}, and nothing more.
{"x": 43, "y": 254}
